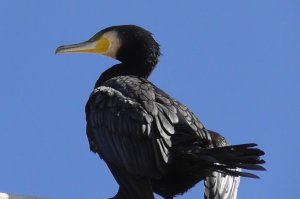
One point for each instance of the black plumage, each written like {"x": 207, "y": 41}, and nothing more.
{"x": 151, "y": 142}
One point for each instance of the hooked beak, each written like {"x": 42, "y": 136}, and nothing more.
{"x": 99, "y": 46}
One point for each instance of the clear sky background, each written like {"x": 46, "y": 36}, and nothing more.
{"x": 236, "y": 64}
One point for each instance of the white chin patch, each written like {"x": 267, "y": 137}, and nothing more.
{"x": 114, "y": 42}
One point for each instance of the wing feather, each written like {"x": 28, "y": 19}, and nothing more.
{"x": 122, "y": 130}
{"x": 131, "y": 124}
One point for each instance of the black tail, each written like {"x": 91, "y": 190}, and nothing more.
{"x": 220, "y": 186}
{"x": 227, "y": 159}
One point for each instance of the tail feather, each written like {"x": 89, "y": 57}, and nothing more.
{"x": 226, "y": 163}
{"x": 250, "y": 166}
{"x": 226, "y": 158}
{"x": 233, "y": 172}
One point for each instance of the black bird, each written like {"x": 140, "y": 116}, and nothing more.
{"x": 149, "y": 141}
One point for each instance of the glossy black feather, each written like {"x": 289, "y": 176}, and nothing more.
{"x": 151, "y": 142}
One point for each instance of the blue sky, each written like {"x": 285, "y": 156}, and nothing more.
{"x": 236, "y": 64}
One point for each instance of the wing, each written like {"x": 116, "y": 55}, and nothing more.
{"x": 133, "y": 124}
{"x": 120, "y": 130}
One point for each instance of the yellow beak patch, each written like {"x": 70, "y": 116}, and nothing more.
{"x": 100, "y": 46}
{"x": 107, "y": 44}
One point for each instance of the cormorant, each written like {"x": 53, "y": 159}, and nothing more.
{"x": 149, "y": 141}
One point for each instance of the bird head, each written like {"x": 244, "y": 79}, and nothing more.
{"x": 126, "y": 43}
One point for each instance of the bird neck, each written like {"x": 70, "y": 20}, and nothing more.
{"x": 135, "y": 69}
